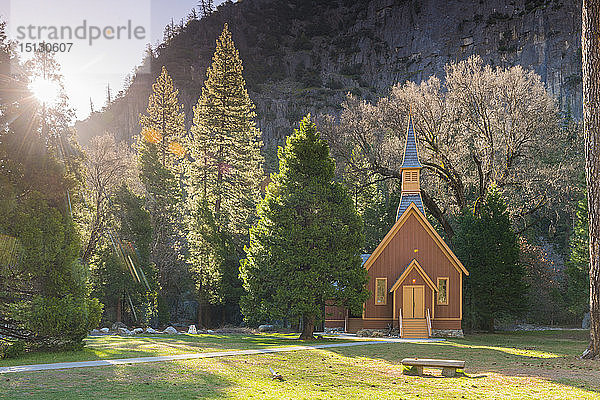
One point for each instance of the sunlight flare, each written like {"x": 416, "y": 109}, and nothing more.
{"x": 45, "y": 90}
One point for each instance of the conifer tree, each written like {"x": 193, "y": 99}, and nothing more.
{"x": 164, "y": 115}
{"x": 162, "y": 129}
{"x": 225, "y": 142}
{"x": 305, "y": 249}
{"x": 225, "y": 174}
{"x": 578, "y": 278}
{"x": 487, "y": 245}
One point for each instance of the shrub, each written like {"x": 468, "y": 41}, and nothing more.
{"x": 12, "y": 349}
{"x": 62, "y": 322}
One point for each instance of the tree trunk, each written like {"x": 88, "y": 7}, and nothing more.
{"x": 119, "y": 309}
{"x": 591, "y": 122}
{"x": 308, "y": 326}
{"x": 200, "y": 319}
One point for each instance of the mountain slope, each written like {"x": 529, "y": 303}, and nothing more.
{"x": 304, "y": 56}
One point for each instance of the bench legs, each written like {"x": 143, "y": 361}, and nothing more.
{"x": 418, "y": 370}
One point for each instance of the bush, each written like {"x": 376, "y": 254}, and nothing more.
{"x": 12, "y": 349}
{"x": 62, "y": 322}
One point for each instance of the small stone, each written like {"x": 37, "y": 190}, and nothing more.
{"x": 192, "y": 330}
{"x": 117, "y": 325}
{"x": 170, "y": 331}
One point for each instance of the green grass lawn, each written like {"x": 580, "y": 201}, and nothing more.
{"x": 538, "y": 365}
{"x": 110, "y": 347}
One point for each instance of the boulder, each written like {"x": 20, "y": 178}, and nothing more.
{"x": 192, "y": 330}
{"x": 210, "y": 331}
{"x": 585, "y": 324}
{"x": 125, "y": 332}
{"x": 151, "y": 331}
{"x": 137, "y": 331}
{"x": 104, "y": 330}
{"x": 170, "y": 331}
{"x": 95, "y": 332}
{"x": 117, "y": 325}
{"x": 266, "y": 328}
{"x": 371, "y": 333}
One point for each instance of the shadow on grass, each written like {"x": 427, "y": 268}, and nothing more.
{"x": 147, "y": 381}
{"x": 552, "y": 356}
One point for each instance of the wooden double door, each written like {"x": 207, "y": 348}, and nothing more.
{"x": 413, "y": 301}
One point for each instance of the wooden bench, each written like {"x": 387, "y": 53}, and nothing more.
{"x": 448, "y": 366}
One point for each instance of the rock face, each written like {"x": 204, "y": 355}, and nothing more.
{"x": 304, "y": 57}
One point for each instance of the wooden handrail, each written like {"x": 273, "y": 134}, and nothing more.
{"x": 400, "y": 322}
{"x": 428, "y": 324}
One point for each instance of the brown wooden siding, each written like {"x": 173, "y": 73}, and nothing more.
{"x": 333, "y": 312}
{"x": 355, "y": 324}
{"x": 334, "y": 324}
{"x": 397, "y": 255}
{"x": 445, "y": 324}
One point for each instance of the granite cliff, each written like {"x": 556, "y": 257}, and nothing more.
{"x": 304, "y": 56}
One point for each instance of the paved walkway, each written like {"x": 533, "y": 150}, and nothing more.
{"x": 190, "y": 356}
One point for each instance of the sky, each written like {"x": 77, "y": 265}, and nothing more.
{"x": 110, "y": 42}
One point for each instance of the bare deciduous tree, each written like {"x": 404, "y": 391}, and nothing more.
{"x": 108, "y": 164}
{"x": 483, "y": 126}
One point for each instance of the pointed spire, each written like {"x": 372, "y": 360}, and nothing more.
{"x": 411, "y": 156}
{"x": 411, "y": 191}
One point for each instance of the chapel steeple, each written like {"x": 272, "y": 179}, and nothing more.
{"x": 411, "y": 171}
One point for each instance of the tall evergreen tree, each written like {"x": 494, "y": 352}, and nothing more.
{"x": 578, "y": 278}
{"x": 225, "y": 142}
{"x": 488, "y": 247}
{"x": 590, "y": 41}
{"x": 304, "y": 250}
{"x": 162, "y": 129}
{"x": 225, "y": 174}
{"x": 165, "y": 116}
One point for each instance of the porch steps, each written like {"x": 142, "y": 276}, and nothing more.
{"x": 414, "y": 328}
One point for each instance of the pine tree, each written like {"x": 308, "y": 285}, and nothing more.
{"x": 225, "y": 174}
{"x": 225, "y": 141}
{"x": 591, "y": 125}
{"x": 578, "y": 279}
{"x": 304, "y": 250}
{"x": 489, "y": 249}
{"x": 165, "y": 116}
{"x": 162, "y": 130}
